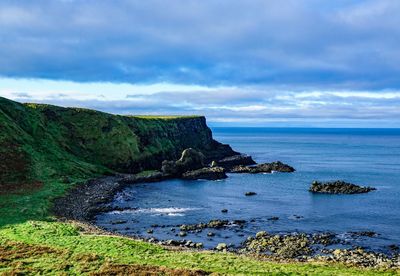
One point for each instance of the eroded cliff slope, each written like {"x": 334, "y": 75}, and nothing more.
{"x": 40, "y": 141}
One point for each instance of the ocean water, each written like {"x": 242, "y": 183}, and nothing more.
{"x": 369, "y": 157}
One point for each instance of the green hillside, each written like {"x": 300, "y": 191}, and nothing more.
{"x": 40, "y": 141}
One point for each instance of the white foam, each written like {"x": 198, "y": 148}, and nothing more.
{"x": 169, "y": 211}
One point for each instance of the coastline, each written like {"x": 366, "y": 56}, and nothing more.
{"x": 85, "y": 200}
{"x": 82, "y": 203}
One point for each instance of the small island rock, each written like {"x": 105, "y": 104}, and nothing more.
{"x": 277, "y": 166}
{"x": 338, "y": 187}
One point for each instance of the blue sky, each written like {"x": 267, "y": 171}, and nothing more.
{"x": 247, "y": 63}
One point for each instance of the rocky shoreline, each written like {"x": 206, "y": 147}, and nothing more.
{"x": 84, "y": 201}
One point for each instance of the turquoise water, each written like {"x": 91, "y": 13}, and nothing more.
{"x": 362, "y": 156}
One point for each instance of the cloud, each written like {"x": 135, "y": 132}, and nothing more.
{"x": 340, "y": 44}
{"x": 244, "y": 105}
{"x": 233, "y": 61}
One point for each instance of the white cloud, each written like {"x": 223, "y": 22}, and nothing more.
{"x": 241, "y": 104}
{"x": 322, "y": 44}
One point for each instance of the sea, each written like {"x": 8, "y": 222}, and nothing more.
{"x": 367, "y": 157}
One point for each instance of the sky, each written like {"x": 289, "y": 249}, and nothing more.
{"x": 298, "y": 63}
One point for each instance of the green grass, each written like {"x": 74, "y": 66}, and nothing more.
{"x": 41, "y": 145}
{"x": 165, "y": 117}
{"x": 67, "y": 238}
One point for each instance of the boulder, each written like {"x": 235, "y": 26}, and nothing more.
{"x": 206, "y": 173}
{"x": 236, "y": 160}
{"x": 221, "y": 247}
{"x": 338, "y": 187}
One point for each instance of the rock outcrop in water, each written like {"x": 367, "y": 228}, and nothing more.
{"x": 263, "y": 168}
{"x": 236, "y": 160}
{"x": 215, "y": 223}
{"x": 212, "y": 173}
{"x": 338, "y": 187}
{"x": 191, "y": 165}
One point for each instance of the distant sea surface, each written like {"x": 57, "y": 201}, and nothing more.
{"x": 368, "y": 157}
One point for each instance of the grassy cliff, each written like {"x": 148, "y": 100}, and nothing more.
{"x": 40, "y": 141}
{"x": 44, "y": 150}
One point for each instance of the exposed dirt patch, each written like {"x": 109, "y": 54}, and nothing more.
{"x": 18, "y": 259}
{"x": 13, "y": 250}
{"x": 20, "y": 188}
{"x": 15, "y": 176}
{"x": 116, "y": 269}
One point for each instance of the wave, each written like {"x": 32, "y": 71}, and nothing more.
{"x": 169, "y": 211}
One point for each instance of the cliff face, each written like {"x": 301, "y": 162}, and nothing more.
{"x": 43, "y": 140}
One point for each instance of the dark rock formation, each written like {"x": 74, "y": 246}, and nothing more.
{"x": 274, "y": 166}
{"x": 241, "y": 169}
{"x": 338, "y": 187}
{"x": 236, "y": 160}
{"x": 169, "y": 167}
{"x": 263, "y": 168}
{"x": 190, "y": 160}
{"x": 214, "y": 150}
{"x": 84, "y": 201}
{"x": 363, "y": 234}
{"x": 215, "y": 223}
{"x": 286, "y": 246}
{"x": 206, "y": 173}
{"x": 181, "y": 243}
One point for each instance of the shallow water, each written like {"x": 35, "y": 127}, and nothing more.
{"x": 365, "y": 157}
